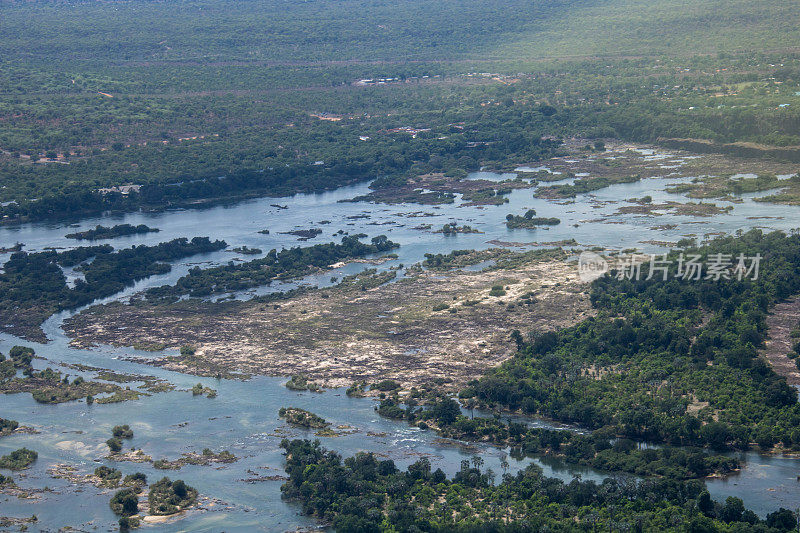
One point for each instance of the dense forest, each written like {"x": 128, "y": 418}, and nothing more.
{"x": 672, "y": 361}
{"x": 364, "y": 493}
{"x": 601, "y": 449}
{"x": 33, "y": 285}
{"x": 206, "y": 101}
{"x": 288, "y": 263}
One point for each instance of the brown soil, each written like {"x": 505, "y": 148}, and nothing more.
{"x": 780, "y": 323}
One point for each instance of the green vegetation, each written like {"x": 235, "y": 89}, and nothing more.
{"x": 164, "y": 464}
{"x": 581, "y": 186}
{"x": 222, "y": 457}
{"x": 357, "y": 389}
{"x": 122, "y": 432}
{"x": 18, "y": 459}
{"x": 109, "y": 477}
{"x": 199, "y": 390}
{"x": 789, "y": 192}
{"x": 304, "y": 234}
{"x": 50, "y": 386}
{"x": 126, "y": 523}
{"x": 189, "y": 105}
{"x": 497, "y": 290}
{"x": 103, "y": 232}
{"x": 33, "y": 285}
{"x": 725, "y": 186}
{"x": 205, "y": 458}
{"x": 386, "y": 385}
{"x": 288, "y": 263}
{"x": 459, "y": 258}
{"x": 530, "y": 220}
{"x": 300, "y": 382}
{"x": 452, "y": 228}
{"x": 136, "y": 480}
{"x": 363, "y": 493}
{"x": 246, "y": 250}
{"x": 125, "y": 502}
{"x": 670, "y": 361}
{"x": 110, "y": 106}
{"x": 486, "y": 197}
{"x": 169, "y": 497}
{"x": 188, "y": 351}
{"x": 599, "y": 450}
{"x": 7, "y": 426}
{"x": 302, "y": 418}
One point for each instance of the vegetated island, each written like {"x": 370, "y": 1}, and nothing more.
{"x": 581, "y": 186}
{"x": 50, "y": 386}
{"x": 105, "y": 232}
{"x": 165, "y": 498}
{"x": 424, "y": 499}
{"x": 18, "y": 459}
{"x": 529, "y": 220}
{"x": 33, "y": 285}
{"x": 245, "y": 250}
{"x": 452, "y": 228}
{"x": 300, "y": 382}
{"x": 304, "y": 234}
{"x": 288, "y": 263}
{"x": 302, "y": 418}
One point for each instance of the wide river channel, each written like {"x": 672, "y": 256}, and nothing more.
{"x": 243, "y": 417}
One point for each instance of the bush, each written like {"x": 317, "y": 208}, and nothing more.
{"x": 122, "y": 432}
{"x": 167, "y": 497}
{"x": 187, "y": 350}
{"x": 497, "y": 290}
{"x": 125, "y": 502}
{"x": 386, "y": 385}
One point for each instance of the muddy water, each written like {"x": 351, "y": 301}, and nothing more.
{"x": 243, "y": 418}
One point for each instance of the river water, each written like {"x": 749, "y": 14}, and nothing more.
{"x": 243, "y": 418}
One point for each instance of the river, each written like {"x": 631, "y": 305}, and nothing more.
{"x": 243, "y": 418}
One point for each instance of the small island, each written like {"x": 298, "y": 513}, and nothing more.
{"x": 302, "y": 418}
{"x": 246, "y": 250}
{"x": 452, "y": 228}
{"x": 530, "y": 220}
{"x": 49, "y": 386}
{"x": 300, "y": 382}
{"x": 18, "y": 459}
{"x": 303, "y": 234}
{"x": 7, "y": 427}
{"x": 207, "y": 457}
{"x": 105, "y": 232}
{"x": 165, "y": 498}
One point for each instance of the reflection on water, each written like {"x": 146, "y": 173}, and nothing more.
{"x": 243, "y": 418}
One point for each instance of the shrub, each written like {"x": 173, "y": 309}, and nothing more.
{"x": 125, "y": 502}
